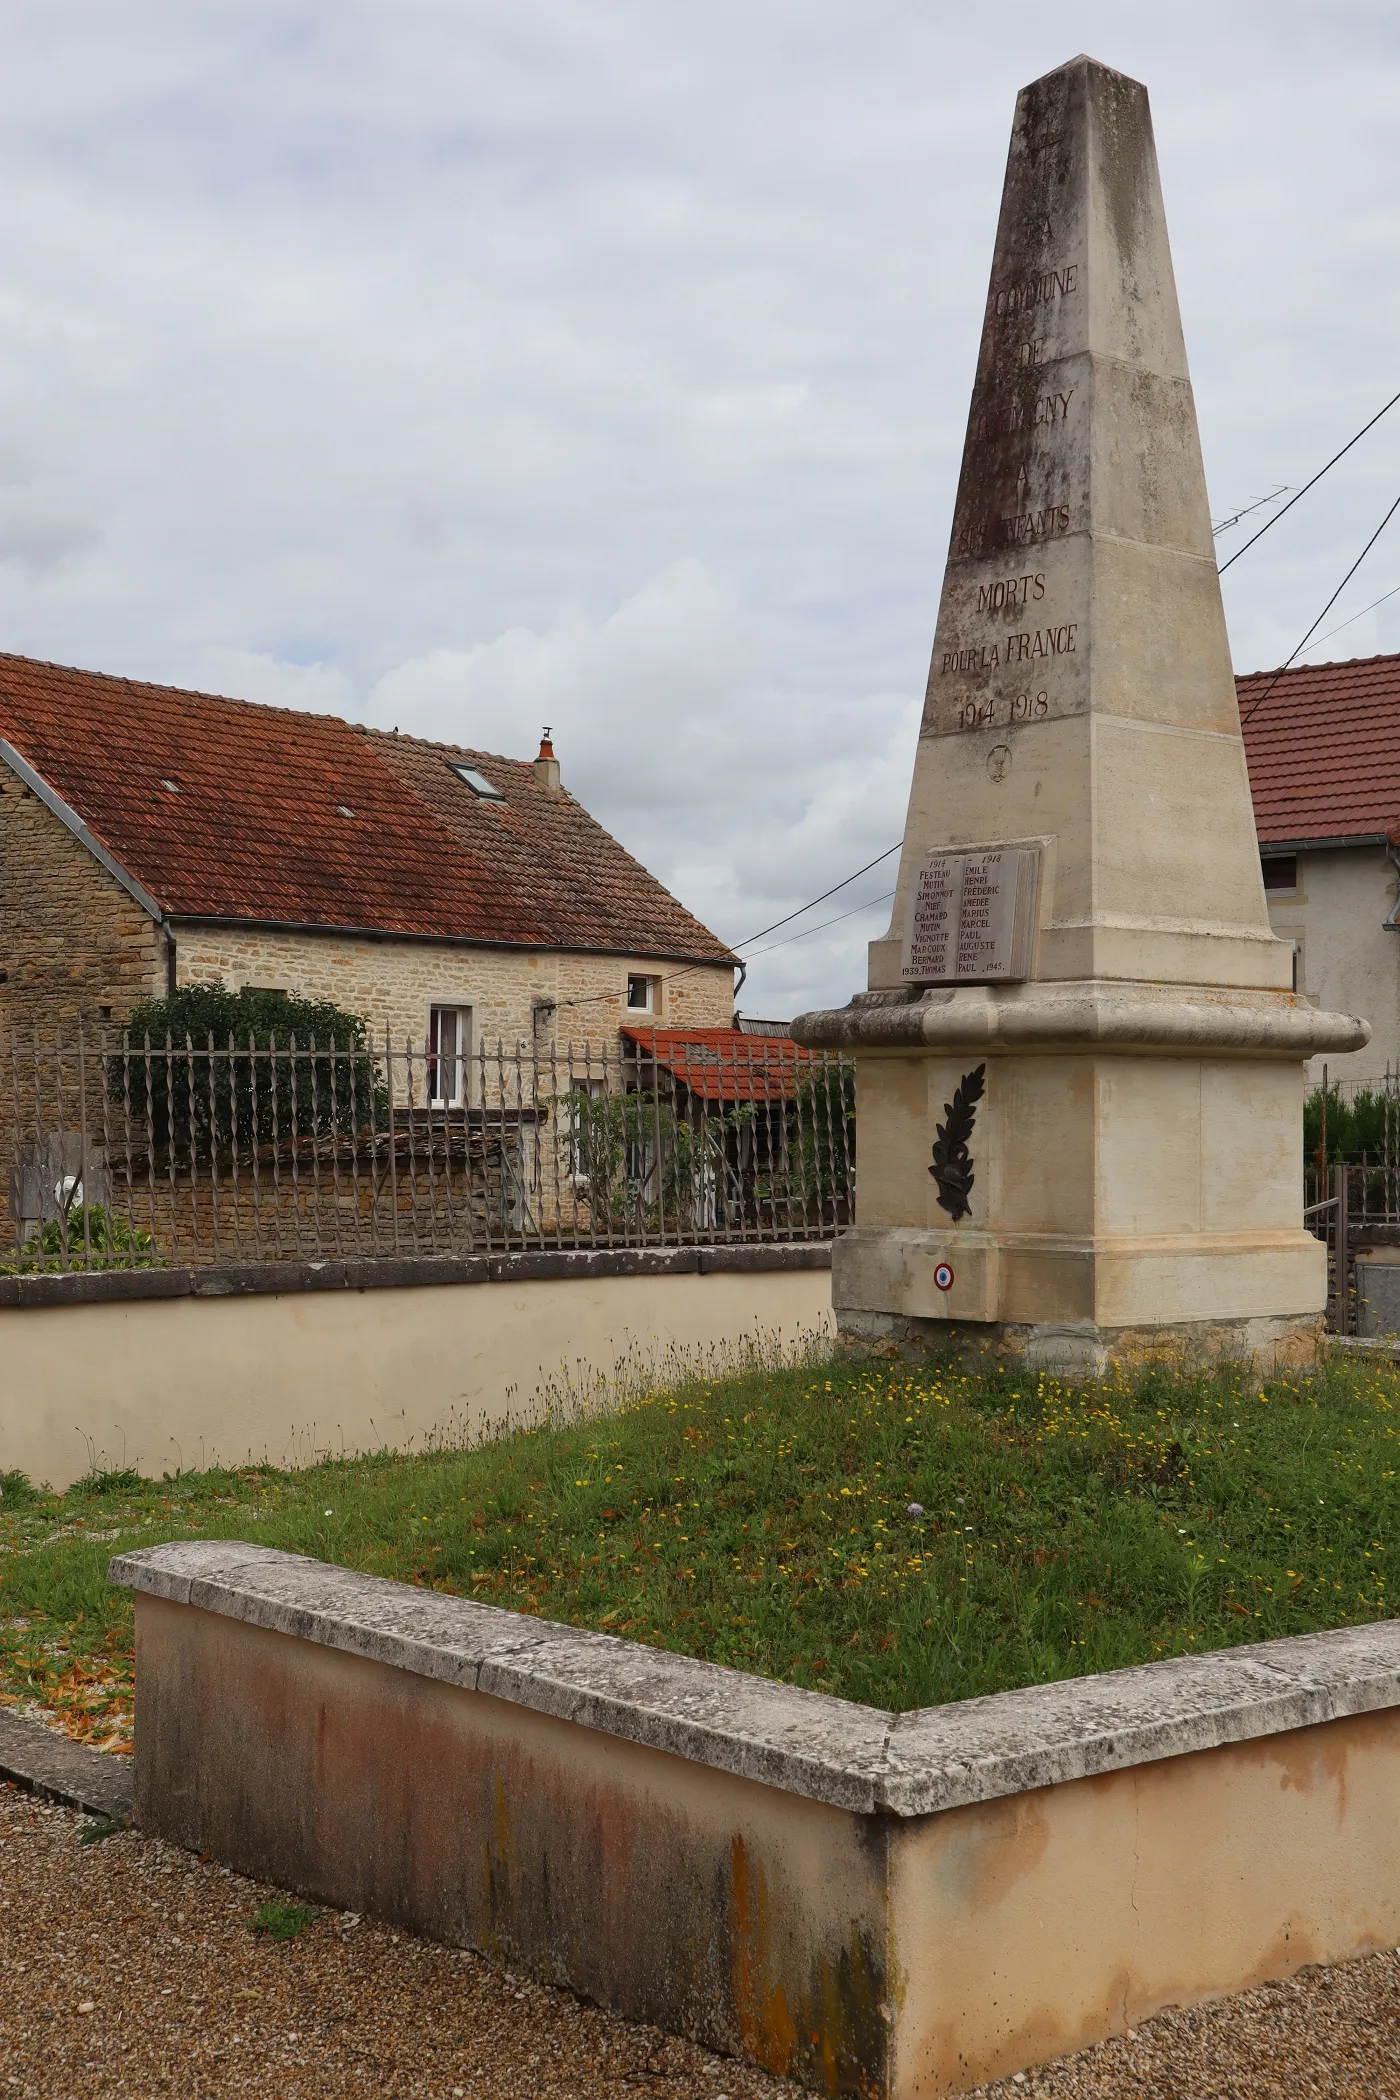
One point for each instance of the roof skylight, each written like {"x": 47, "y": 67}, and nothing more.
{"x": 477, "y": 782}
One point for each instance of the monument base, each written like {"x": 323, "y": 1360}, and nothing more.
{"x": 1082, "y": 1174}
{"x": 1082, "y": 1349}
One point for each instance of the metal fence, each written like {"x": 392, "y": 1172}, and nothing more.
{"x": 1351, "y": 1181}
{"x": 124, "y": 1154}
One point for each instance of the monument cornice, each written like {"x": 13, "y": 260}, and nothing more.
{"x": 1102, "y": 1014}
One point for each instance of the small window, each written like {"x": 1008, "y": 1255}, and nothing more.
{"x": 641, "y": 995}
{"x": 1281, "y": 872}
{"x": 477, "y": 782}
{"x": 449, "y": 1047}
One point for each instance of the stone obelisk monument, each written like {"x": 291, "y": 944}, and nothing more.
{"x": 1080, "y": 1059}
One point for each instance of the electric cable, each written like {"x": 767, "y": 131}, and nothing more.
{"x": 603, "y": 998}
{"x": 1309, "y": 484}
{"x": 821, "y": 927}
{"x": 1327, "y": 607}
{"x": 1342, "y": 625}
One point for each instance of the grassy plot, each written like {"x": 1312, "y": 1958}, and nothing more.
{"x": 894, "y": 1537}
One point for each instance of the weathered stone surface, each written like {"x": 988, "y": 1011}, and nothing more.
{"x": 807, "y": 1743}
{"x": 1081, "y": 689}
{"x": 1131, "y": 1164}
{"x": 57, "y": 1770}
{"x": 404, "y": 1272}
{"x": 865, "y": 1903}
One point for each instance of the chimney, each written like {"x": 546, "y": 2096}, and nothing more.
{"x": 546, "y": 766}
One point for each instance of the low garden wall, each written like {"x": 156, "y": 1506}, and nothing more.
{"x": 289, "y": 1362}
{"x": 873, "y": 1904}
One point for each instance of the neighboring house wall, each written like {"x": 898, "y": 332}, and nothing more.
{"x": 1348, "y": 960}
{"x": 393, "y": 983}
{"x": 72, "y": 941}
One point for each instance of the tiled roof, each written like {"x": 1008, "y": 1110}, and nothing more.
{"x": 221, "y": 809}
{"x": 724, "y": 1064}
{"x": 1324, "y": 750}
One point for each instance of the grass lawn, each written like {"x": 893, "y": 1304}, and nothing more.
{"x": 893, "y": 1537}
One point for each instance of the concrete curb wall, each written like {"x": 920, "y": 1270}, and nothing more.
{"x": 873, "y": 1903}
{"x": 290, "y": 1362}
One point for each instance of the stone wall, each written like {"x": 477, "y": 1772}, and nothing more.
{"x": 71, "y": 940}
{"x": 289, "y": 1362}
{"x": 393, "y": 984}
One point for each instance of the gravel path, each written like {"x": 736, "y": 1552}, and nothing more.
{"x": 130, "y": 1968}
{"x": 1326, "y": 2031}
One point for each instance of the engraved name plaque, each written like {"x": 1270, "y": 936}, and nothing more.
{"x": 970, "y": 917}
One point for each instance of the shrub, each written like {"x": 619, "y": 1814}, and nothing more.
{"x": 60, "y": 1243}
{"x": 1353, "y": 1127}
{"x": 212, "y": 1070}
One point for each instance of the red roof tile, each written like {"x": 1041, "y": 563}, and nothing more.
{"x": 724, "y": 1064}
{"x": 221, "y": 809}
{"x": 1323, "y": 748}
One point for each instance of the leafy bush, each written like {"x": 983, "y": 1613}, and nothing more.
{"x": 17, "y": 1488}
{"x": 1353, "y": 1126}
{"x": 60, "y": 1243}
{"x": 615, "y": 1141}
{"x": 217, "y": 1071}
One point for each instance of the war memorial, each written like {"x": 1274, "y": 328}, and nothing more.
{"x": 1081, "y": 1070}
{"x": 1080, "y": 1057}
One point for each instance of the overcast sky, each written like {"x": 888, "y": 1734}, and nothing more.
{"x": 467, "y": 365}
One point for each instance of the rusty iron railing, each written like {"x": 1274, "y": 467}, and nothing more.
{"x": 117, "y": 1153}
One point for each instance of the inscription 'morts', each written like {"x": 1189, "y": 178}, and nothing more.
{"x": 1010, "y": 590}
{"x": 1035, "y": 291}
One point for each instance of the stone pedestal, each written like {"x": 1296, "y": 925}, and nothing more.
{"x": 1080, "y": 1060}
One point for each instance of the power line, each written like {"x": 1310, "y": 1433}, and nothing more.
{"x": 1344, "y": 624}
{"x": 1310, "y": 484}
{"x": 601, "y": 998}
{"x": 869, "y": 903}
{"x": 1327, "y": 607}
{"x": 813, "y": 902}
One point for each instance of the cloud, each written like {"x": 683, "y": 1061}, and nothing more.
{"x": 37, "y": 538}
{"x": 639, "y": 701}
{"x": 608, "y": 366}
{"x": 244, "y": 674}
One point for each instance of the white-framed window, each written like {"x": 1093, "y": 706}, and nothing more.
{"x": 643, "y": 994}
{"x": 449, "y": 1054}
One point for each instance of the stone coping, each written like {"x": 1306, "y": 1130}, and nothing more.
{"x": 72, "y": 1774}
{"x": 830, "y": 1750}
{"x": 407, "y": 1272}
{"x": 1095, "y": 1014}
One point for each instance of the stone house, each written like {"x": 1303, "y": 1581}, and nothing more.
{"x": 152, "y": 838}
{"x": 1323, "y": 745}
